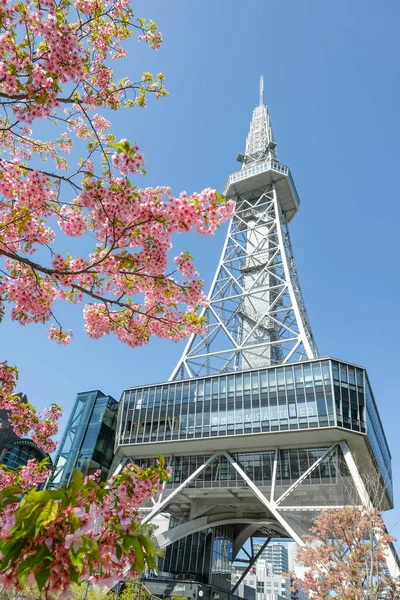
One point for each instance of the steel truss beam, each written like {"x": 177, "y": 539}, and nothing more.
{"x": 158, "y": 507}
{"x": 273, "y": 506}
{"x": 256, "y": 314}
{"x": 305, "y": 475}
{"x": 270, "y": 506}
{"x": 391, "y": 555}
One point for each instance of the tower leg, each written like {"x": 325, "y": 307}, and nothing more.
{"x": 391, "y": 555}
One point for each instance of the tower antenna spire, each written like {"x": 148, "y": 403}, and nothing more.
{"x": 261, "y": 90}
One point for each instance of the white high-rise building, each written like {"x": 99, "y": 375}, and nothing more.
{"x": 268, "y": 587}
{"x": 275, "y": 555}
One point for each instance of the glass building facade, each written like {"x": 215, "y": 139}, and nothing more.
{"x": 14, "y": 451}
{"x": 88, "y": 441}
{"x": 18, "y": 452}
{"x": 7, "y": 435}
{"x": 314, "y": 396}
{"x": 205, "y": 556}
{"x": 273, "y": 399}
{"x": 275, "y": 555}
{"x": 258, "y": 466}
{"x": 322, "y": 393}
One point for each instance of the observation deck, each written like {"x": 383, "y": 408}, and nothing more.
{"x": 307, "y": 404}
{"x": 260, "y": 175}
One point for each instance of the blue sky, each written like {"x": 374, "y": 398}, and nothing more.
{"x": 331, "y": 72}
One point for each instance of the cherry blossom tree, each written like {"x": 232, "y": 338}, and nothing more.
{"x": 346, "y": 557}
{"x": 66, "y": 179}
{"x": 89, "y": 531}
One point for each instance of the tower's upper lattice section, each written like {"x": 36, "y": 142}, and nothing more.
{"x": 256, "y": 315}
{"x": 260, "y": 143}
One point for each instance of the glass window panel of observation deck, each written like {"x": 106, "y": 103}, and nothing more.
{"x": 377, "y": 440}
{"x": 146, "y": 415}
{"x": 165, "y": 420}
{"x": 349, "y": 396}
{"x": 255, "y": 403}
{"x": 247, "y": 407}
{"x": 276, "y": 399}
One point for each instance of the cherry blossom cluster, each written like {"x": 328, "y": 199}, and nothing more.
{"x": 71, "y": 46}
{"x": 346, "y": 556}
{"x": 89, "y": 532}
{"x": 126, "y": 163}
{"x": 56, "y": 67}
{"x": 185, "y": 264}
{"x": 155, "y": 39}
{"x": 124, "y": 280}
{"x": 23, "y": 417}
{"x": 60, "y": 336}
{"x": 133, "y": 228}
{"x": 26, "y": 477}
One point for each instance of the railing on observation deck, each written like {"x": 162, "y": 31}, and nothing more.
{"x": 269, "y": 165}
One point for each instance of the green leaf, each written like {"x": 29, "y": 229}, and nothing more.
{"x": 77, "y": 559}
{"x": 139, "y": 554}
{"x": 42, "y": 99}
{"x": 41, "y": 577}
{"x": 12, "y": 489}
{"x": 92, "y": 549}
{"x": 29, "y": 511}
{"x": 59, "y": 494}
{"x": 127, "y": 542}
{"x": 74, "y": 575}
{"x": 47, "y": 515}
{"x": 10, "y": 500}
{"x": 118, "y": 551}
{"x": 24, "y": 568}
{"x": 150, "y": 550}
{"x": 33, "y": 561}
{"x": 10, "y": 552}
{"x": 77, "y": 482}
{"x": 33, "y": 498}
{"x": 74, "y": 522}
{"x": 147, "y": 543}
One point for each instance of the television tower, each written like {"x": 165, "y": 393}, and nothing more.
{"x": 261, "y": 433}
{"x": 256, "y": 314}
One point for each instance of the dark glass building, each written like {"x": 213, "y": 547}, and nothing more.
{"x": 14, "y": 451}
{"x": 88, "y": 440}
{"x": 7, "y": 435}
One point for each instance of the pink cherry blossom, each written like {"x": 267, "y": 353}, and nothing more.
{"x": 345, "y": 556}
{"x": 25, "y": 421}
{"x": 104, "y": 516}
{"x": 66, "y": 181}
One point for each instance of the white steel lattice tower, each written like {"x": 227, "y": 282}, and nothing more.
{"x": 256, "y": 314}
{"x": 261, "y": 434}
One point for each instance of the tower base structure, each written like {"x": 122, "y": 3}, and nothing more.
{"x": 257, "y": 453}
